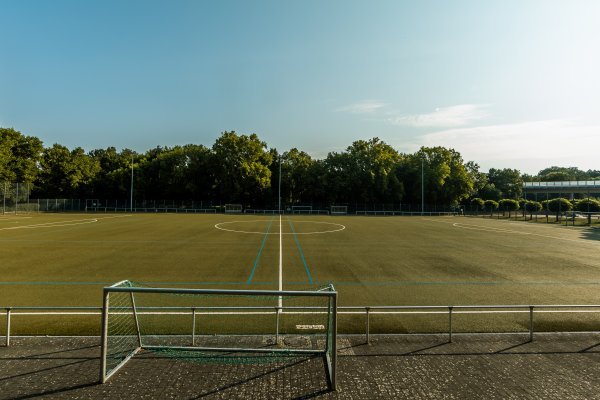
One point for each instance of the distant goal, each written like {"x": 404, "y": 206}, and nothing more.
{"x": 218, "y": 326}
{"x": 233, "y": 208}
{"x": 339, "y": 210}
{"x": 308, "y": 210}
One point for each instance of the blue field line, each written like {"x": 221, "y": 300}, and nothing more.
{"x": 262, "y": 246}
{"x": 110, "y": 283}
{"x": 56, "y": 283}
{"x": 310, "y": 279}
{"x": 193, "y": 283}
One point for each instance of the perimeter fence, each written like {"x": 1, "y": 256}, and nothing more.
{"x": 14, "y": 197}
{"x": 213, "y": 206}
{"x": 353, "y": 320}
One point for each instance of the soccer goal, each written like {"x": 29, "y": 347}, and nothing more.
{"x": 92, "y": 204}
{"x": 233, "y": 208}
{"x": 302, "y": 209}
{"x": 339, "y": 210}
{"x": 218, "y": 326}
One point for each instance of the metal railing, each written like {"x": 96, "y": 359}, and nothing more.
{"x": 367, "y": 311}
{"x": 562, "y": 184}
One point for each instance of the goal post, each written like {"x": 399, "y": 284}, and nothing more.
{"x": 121, "y": 336}
{"x": 227, "y": 326}
{"x": 302, "y": 209}
{"x": 339, "y": 210}
{"x": 233, "y": 208}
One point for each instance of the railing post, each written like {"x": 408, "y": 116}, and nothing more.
{"x": 531, "y": 323}
{"x": 450, "y": 323}
{"x": 333, "y": 373}
{"x": 277, "y": 311}
{"x": 193, "y": 326}
{"x": 367, "y": 324}
{"x": 104, "y": 350}
{"x": 8, "y": 326}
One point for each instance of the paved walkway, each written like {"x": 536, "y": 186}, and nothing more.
{"x": 559, "y": 366}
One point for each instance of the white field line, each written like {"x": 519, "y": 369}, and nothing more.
{"x": 337, "y": 228}
{"x": 117, "y": 216}
{"x": 63, "y": 223}
{"x": 510, "y": 231}
{"x": 280, "y": 302}
{"x": 53, "y": 224}
{"x": 503, "y": 230}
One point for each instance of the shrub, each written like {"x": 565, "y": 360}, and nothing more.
{"x": 508, "y": 205}
{"x": 559, "y": 205}
{"x": 477, "y": 204}
{"x": 491, "y": 205}
{"x": 587, "y": 205}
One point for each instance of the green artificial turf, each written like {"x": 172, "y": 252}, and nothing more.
{"x": 66, "y": 259}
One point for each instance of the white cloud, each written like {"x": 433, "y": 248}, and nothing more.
{"x": 364, "y": 107}
{"x": 444, "y": 117}
{"x": 529, "y": 146}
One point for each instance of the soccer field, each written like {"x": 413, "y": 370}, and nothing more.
{"x": 66, "y": 259}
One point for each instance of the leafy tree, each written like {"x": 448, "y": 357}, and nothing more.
{"x": 446, "y": 178}
{"x": 66, "y": 173}
{"x": 241, "y": 164}
{"x": 6, "y": 174}
{"x": 480, "y": 179}
{"x": 529, "y": 178}
{"x": 338, "y": 179}
{"x": 178, "y": 173}
{"x": 490, "y": 192}
{"x": 318, "y": 190}
{"x": 559, "y": 205}
{"x": 199, "y": 172}
{"x": 491, "y": 205}
{"x": 555, "y": 173}
{"x": 240, "y": 168}
{"x": 477, "y": 204}
{"x": 556, "y": 176}
{"x": 587, "y": 205}
{"x": 508, "y": 205}
{"x": 365, "y": 172}
{"x": 508, "y": 181}
{"x": 19, "y": 156}
{"x": 592, "y": 174}
{"x": 114, "y": 177}
{"x": 523, "y": 205}
{"x": 533, "y": 207}
{"x": 295, "y": 167}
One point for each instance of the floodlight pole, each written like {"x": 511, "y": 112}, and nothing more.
{"x": 131, "y": 191}
{"x": 422, "y": 187}
{"x": 4, "y": 199}
{"x": 280, "y": 185}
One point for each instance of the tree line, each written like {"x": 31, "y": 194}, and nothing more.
{"x": 242, "y": 168}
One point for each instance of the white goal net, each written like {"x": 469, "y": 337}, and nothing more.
{"x": 339, "y": 210}
{"x": 218, "y": 326}
{"x": 233, "y": 208}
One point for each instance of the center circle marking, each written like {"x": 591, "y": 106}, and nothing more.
{"x": 333, "y": 227}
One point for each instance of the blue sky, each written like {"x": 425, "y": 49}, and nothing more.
{"x": 506, "y": 83}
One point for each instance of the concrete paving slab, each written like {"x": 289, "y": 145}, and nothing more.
{"x": 473, "y": 366}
